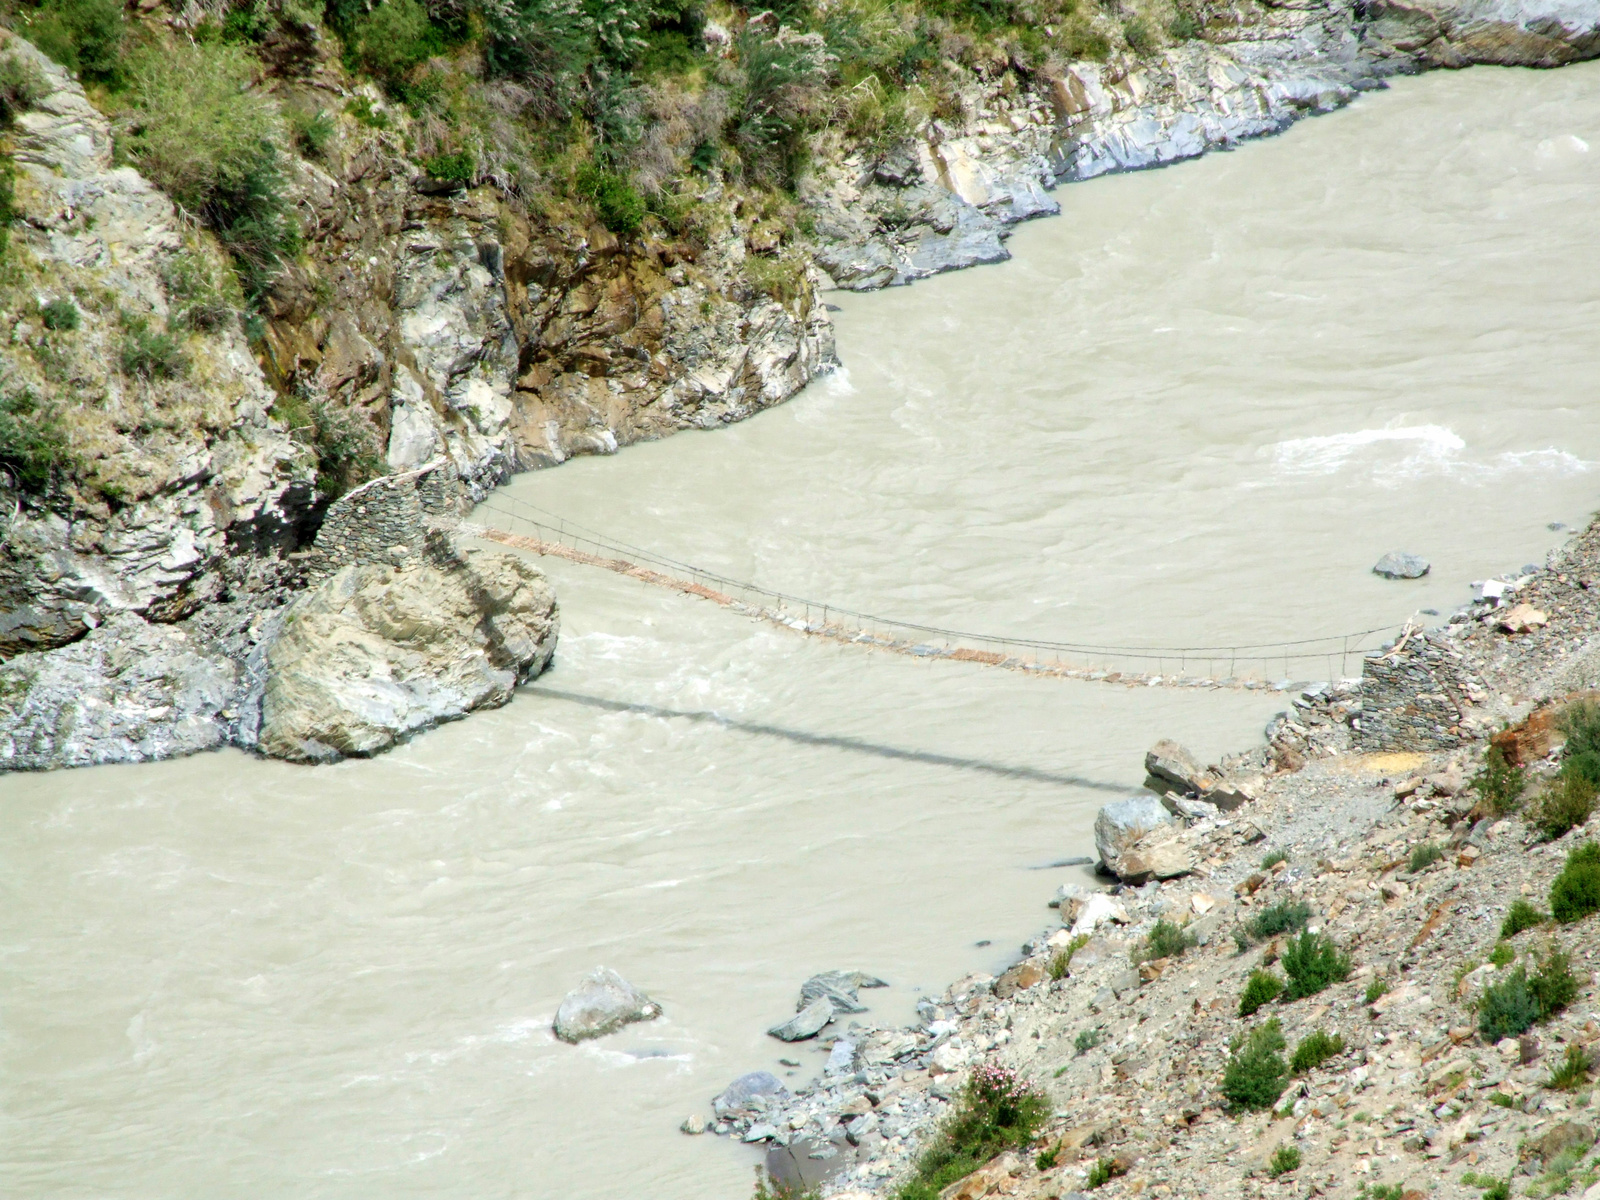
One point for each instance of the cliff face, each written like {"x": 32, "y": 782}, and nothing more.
{"x": 492, "y": 330}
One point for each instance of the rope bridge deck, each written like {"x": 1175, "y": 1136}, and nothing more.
{"x": 1246, "y": 667}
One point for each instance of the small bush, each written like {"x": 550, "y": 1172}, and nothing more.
{"x": 33, "y": 442}
{"x": 1565, "y": 804}
{"x": 460, "y": 168}
{"x": 1312, "y": 962}
{"x": 1080, "y": 39}
{"x": 1501, "y": 1100}
{"x": 1256, "y": 1074}
{"x": 1576, "y": 891}
{"x": 1261, "y": 988}
{"x": 1184, "y": 26}
{"x": 361, "y": 109}
{"x": 82, "y": 35}
{"x": 1241, "y": 940}
{"x": 620, "y": 208}
{"x": 200, "y": 294}
{"x": 149, "y": 354}
{"x": 1284, "y": 1160}
{"x": 1046, "y": 1159}
{"x": 1521, "y": 915}
{"x": 394, "y": 38}
{"x": 21, "y": 87}
{"x": 998, "y": 1111}
{"x": 1572, "y": 1072}
{"x": 1500, "y": 785}
{"x": 1087, "y": 1040}
{"x": 1377, "y": 988}
{"x": 1315, "y": 1049}
{"x": 1102, "y": 1173}
{"x": 1283, "y": 917}
{"x": 1165, "y": 940}
{"x": 312, "y": 131}
{"x": 1141, "y": 38}
{"x": 1381, "y": 1191}
{"x": 1423, "y": 857}
{"x": 1502, "y": 954}
{"x": 1498, "y": 1189}
{"x": 1507, "y": 1008}
{"x": 1273, "y": 859}
{"x": 1553, "y": 986}
{"x": 1061, "y": 962}
{"x": 59, "y": 314}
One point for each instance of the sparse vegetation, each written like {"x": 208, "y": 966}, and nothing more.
{"x": 59, "y": 315}
{"x": 1061, "y": 961}
{"x": 998, "y": 1111}
{"x": 1102, "y": 1173}
{"x": 1581, "y": 755}
{"x": 619, "y": 206}
{"x": 1284, "y": 1160}
{"x": 1500, "y": 785}
{"x": 33, "y": 441}
{"x": 1315, "y": 1049}
{"x": 1511, "y": 1006}
{"x": 1165, "y": 940}
{"x": 1312, "y": 962}
{"x": 1377, "y": 988}
{"x": 1502, "y": 954}
{"x": 1088, "y": 1039}
{"x": 149, "y": 353}
{"x": 1576, "y": 891}
{"x": 1286, "y": 916}
{"x": 1256, "y": 1073}
{"x": 1564, "y": 805}
{"x": 1572, "y": 1072}
{"x": 1381, "y": 1191}
{"x": 1273, "y": 859}
{"x": 1521, "y": 915}
{"x": 1423, "y": 857}
{"x": 1261, "y": 988}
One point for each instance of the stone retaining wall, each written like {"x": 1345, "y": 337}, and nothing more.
{"x": 1417, "y": 696}
{"x": 384, "y": 520}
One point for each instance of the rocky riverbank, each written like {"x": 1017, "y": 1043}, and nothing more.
{"x": 191, "y": 457}
{"x": 1407, "y": 857}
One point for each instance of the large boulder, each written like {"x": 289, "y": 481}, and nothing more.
{"x": 602, "y": 1003}
{"x": 378, "y": 651}
{"x": 128, "y": 692}
{"x": 753, "y": 1092}
{"x": 1397, "y": 564}
{"x": 1122, "y": 823}
{"x": 1170, "y": 765}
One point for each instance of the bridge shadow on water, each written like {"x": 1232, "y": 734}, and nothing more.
{"x": 838, "y": 742}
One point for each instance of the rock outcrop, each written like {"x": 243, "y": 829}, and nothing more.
{"x": 603, "y": 1003}
{"x": 380, "y": 651}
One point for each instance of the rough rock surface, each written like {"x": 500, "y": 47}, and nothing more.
{"x": 377, "y": 652}
{"x": 128, "y": 692}
{"x": 1120, "y": 825}
{"x": 603, "y": 1003}
{"x": 1397, "y": 564}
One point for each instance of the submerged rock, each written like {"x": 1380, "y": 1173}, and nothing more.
{"x": 808, "y": 1022}
{"x": 602, "y": 1003}
{"x": 377, "y": 652}
{"x": 749, "y": 1093}
{"x": 1399, "y": 565}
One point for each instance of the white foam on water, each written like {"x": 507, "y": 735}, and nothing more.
{"x": 1429, "y": 450}
{"x": 1327, "y": 455}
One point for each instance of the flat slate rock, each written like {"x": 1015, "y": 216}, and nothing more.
{"x": 744, "y": 1092}
{"x": 603, "y": 1003}
{"x": 806, "y": 1023}
{"x": 1399, "y": 565}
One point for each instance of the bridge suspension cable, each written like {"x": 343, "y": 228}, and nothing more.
{"x": 1244, "y": 665}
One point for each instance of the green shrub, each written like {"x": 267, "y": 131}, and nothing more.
{"x": 1087, "y": 1040}
{"x": 1565, "y": 804}
{"x": 1315, "y": 1049}
{"x": 361, "y": 109}
{"x": 1576, "y": 891}
{"x": 1312, "y": 962}
{"x": 1502, "y": 954}
{"x": 1507, "y": 1008}
{"x": 1498, "y": 1189}
{"x": 1273, "y": 859}
{"x": 1500, "y": 785}
{"x": 1521, "y": 915}
{"x": 1184, "y": 27}
{"x": 780, "y": 97}
{"x": 1572, "y": 1072}
{"x": 59, "y": 314}
{"x": 312, "y": 131}
{"x": 33, "y": 441}
{"x": 149, "y": 354}
{"x": 21, "y": 87}
{"x": 1284, "y": 1160}
{"x": 1284, "y": 917}
{"x": 212, "y": 144}
{"x": 1256, "y": 1073}
{"x": 1080, "y": 39}
{"x": 82, "y": 35}
{"x": 998, "y": 1111}
{"x": 199, "y": 294}
{"x": 1061, "y": 962}
{"x": 1553, "y": 986}
{"x": 393, "y": 39}
{"x": 1377, "y": 988}
{"x": 620, "y": 208}
{"x": 1102, "y": 1173}
{"x": 1581, "y": 723}
{"x": 1141, "y": 38}
{"x": 1381, "y": 1191}
{"x": 1165, "y": 940}
{"x": 460, "y": 168}
{"x": 1261, "y": 988}
{"x": 1046, "y": 1159}
{"x": 1423, "y": 857}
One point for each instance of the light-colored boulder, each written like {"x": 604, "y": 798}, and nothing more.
{"x": 1094, "y": 911}
{"x": 1522, "y": 618}
{"x": 1172, "y": 763}
{"x": 1399, "y": 565}
{"x": 1158, "y": 855}
{"x": 752, "y": 1092}
{"x": 1122, "y": 823}
{"x": 602, "y": 1003}
{"x": 377, "y": 652}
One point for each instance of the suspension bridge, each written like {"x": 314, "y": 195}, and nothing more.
{"x": 1247, "y": 666}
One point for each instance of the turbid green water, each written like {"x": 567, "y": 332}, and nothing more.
{"x": 1200, "y": 403}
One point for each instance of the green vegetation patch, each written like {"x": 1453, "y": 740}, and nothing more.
{"x": 1576, "y": 891}
{"x": 1312, "y": 962}
{"x": 1256, "y": 1074}
{"x": 1286, "y": 916}
{"x": 1500, "y": 785}
{"x": 1165, "y": 940}
{"x": 33, "y": 441}
{"x": 1521, "y": 915}
{"x": 998, "y": 1111}
{"x": 1315, "y": 1049}
{"x": 1261, "y": 988}
{"x": 1284, "y": 1160}
{"x": 1423, "y": 857}
{"x": 1511, "y": 1006}
{"x": 85, "y": 36}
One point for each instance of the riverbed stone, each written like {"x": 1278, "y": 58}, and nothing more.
{"x": 1122, "y": 823}
{"x": 377, "y": 652}
{"x": 603, "y": 1003}
{"x": 806, "y": 1023}
{"x": 1397, "y": 564}
{"x": 750, "y": 1091}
